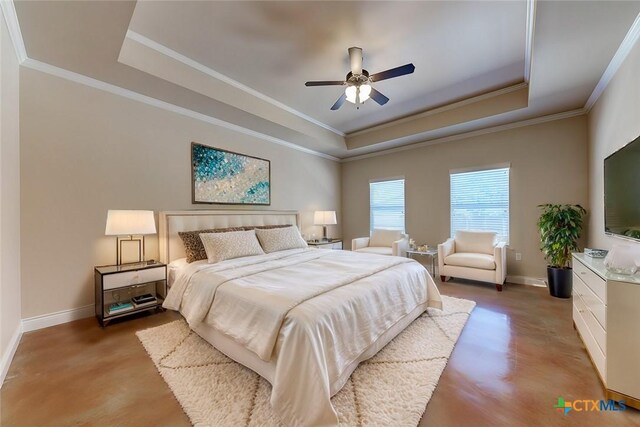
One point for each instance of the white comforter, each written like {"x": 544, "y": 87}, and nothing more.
{"x": 313, "y": 311}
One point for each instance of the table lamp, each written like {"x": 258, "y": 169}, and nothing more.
{"x": 324, "y": 218}
{"x": 130, "y": 223}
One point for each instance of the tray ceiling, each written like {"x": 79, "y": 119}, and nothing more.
{"x": 460, "y": 49}
{"x": 245, "y": 63}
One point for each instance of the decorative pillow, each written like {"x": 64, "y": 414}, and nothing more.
{"x": 384, "y": 238}
{"x": 280, "y": 239}
{"x": 234, "y": 244}
{"x": 193, "y": 247}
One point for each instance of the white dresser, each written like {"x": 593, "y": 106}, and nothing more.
{"x": 606, "y": 314}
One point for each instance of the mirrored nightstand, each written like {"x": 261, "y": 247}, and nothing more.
{"x": 120, "y": 290}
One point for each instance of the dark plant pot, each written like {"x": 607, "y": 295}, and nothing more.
{"x": 560, "y": 282}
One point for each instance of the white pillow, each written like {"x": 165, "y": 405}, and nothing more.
{"x": 234, "y": 244}
{"x": 280, "y": 239}
{"x": 384, "y": 238}
{"x": 479, "y": 242}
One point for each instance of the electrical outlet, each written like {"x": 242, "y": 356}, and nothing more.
{"x": 518, "y": 256}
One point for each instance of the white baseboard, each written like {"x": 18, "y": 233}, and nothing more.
{"x": 52, "y": 319}
{"x": 39, "y": 322}
{"x": 7, "y": 357}
{"x": 525, "y": 280}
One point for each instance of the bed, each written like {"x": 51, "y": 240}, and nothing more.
{"x": 301, "y": 318}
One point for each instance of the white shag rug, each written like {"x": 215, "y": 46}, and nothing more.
{"x": 390, "y": 389}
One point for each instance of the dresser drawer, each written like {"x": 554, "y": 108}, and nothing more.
{"x": 596, "y": 330}
{"x": 596, "y": 354}
{"x": 127, "y": 278}
{"x": 592, "y": 280}
{"x": 595, "y": 305}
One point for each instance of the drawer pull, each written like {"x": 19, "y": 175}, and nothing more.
{"x": 583, "y": 272}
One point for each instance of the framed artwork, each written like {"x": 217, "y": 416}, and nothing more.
{"x": 228, "y": 178}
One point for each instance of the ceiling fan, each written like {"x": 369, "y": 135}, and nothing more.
{"x": 358, "y": 81}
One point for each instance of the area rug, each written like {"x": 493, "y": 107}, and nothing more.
{"x": 390, "y": 389}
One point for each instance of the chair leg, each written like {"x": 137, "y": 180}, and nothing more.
{"x": 499, "y": 287}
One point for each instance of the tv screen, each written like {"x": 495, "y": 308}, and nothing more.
{"x": 622, "y": 191}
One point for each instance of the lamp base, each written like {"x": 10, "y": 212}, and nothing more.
{"x": 129, "y": 249}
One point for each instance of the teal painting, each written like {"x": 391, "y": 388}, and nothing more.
{"x": 224, "y": 177}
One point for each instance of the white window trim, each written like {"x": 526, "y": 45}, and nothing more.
{"x": 482, "y": 168}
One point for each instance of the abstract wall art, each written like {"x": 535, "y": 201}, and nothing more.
{"x": 224, "y": 177}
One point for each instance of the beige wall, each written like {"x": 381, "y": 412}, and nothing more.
{"x": 9, "y": 194}
{"x": 548, "y": 165}
{"x": 613, "y": 122}
{"x": 85, "y": 151}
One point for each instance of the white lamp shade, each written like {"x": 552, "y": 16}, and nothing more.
{"x": 130, "y": 223}
{"x": 324, "y": 218}
{"x": 351, "y": 92}
{"x": 365, "y": 91}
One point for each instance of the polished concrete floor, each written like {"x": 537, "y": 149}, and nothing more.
{"x": 517, "y": 354}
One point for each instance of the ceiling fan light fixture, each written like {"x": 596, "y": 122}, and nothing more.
{"x": 358, "y": 81}
{"x": 365, "y": 91}
{"x": 357, "y": 94}
{"x": 351, "y": 92}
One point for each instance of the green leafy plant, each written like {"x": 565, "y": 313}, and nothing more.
{"x": 560, "y": 227}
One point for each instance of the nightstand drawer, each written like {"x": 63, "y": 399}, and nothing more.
{"x": 127, "y": 278}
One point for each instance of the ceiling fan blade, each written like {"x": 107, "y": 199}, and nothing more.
{"x": 378, "y": 97}
{"x": 339, "y": 102}
{"x": 394, "y": 72}
{"x": 355, "y": 59}
{"x": 325, "y": 83}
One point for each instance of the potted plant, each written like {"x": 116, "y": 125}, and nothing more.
{"x": 560, "y": 227}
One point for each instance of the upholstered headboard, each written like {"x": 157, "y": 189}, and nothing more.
{"x": 171, "y": 222}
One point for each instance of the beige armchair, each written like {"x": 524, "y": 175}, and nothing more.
{"x": 474, "y": 255}
{"x": 382, "y": 242}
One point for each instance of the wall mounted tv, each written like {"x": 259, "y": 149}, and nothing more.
{"x": 622, "y": 192}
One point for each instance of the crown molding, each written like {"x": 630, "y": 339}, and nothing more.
{"x": 493, "y": 129}
{"x": 7, "y": 8}
{"x": 151, "y": 44}
{"x": 528, "y": 52}
{"x": 11, "y": 18}
{"x": 126, "y": 93}
{"x": 621, "y": 54}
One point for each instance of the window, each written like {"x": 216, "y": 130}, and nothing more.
{"x": 480, "y": 201}
{"x": 387, "y": 204}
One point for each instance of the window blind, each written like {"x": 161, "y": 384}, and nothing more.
{"x": 386, "y": 200}
{"x": 480, "y": 201}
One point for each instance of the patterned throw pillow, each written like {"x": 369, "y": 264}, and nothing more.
{"x": 193, "y": 247}
{"x": 280, "y": 239}
{"x": 234, "y": 244}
